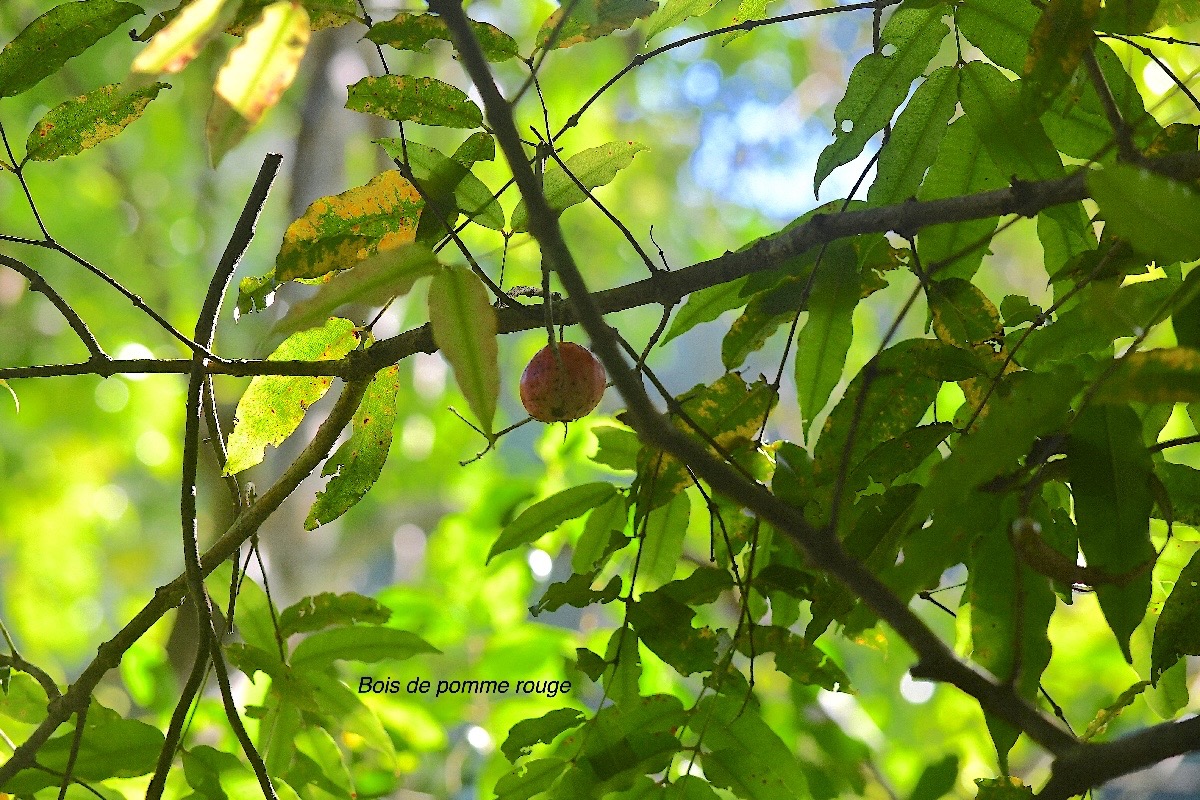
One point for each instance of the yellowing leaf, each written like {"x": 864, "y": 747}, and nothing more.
{"x": 464, "y": 327}
{"x": 256, "y": 74}
{"x": 337, "y": 232}
{"x": 82, "y": 123}
{"x": 274, "y": 405}
{"x": 174, "y": 47}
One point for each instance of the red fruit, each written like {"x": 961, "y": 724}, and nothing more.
{"x": 562, "y": 391}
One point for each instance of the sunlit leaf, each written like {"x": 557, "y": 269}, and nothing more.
{"x": 255, "y": 75}
{"x": 357, "y": 463}
{"x": 179, "y": 42}
{"x": 824, "y": 341}
{"x": 366, "y": 643}
{"x": 448, "y": 183}
{"x": 327, "y": 609}
{"x": 596, "y": 166}
{"x": 524, "y": 735}
{"x": 1000, "y": 28}
{"x": 1160, "y": 217}
{"x": 546, "y": 515}
{"x": 13, "y": 394}
{"x": 407, "y": 31}
{"x": 591, "y": 19}
{"x": 1003, "y": 789}
{"x": 274, "y": 405}
{"x": 879, "y": 84}
{"x": 464, "y": 328}
{"x": 337, "y": 232}
{"x": 55, "y": 37}
{"x": 112, "y": 747}
{"x": 82, "y": 123}
{"x": 1177, "y": 632}
{"x": 914, "y": 142}
{"x": 1109, "y": 470}
{"x": 409, "y": 98}
{"x": 529, "y": 779}
{"x": 674, "y": 12}
{"x": 322, "y": 14}
{"x": 603, "y": 534}
{"x": 748, "y": 757}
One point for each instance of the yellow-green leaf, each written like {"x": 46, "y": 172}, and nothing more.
{"x": 464, "y": 328}
{"x": 322, "y": 14}
{"x": 337, "y": 232}
{"x": 82, "y": 123}
{"x": 427, "y": 101}
{"x": 591, "y": 19}
{"x": 407, "y": 31}
{"x": 274, "y": 405}
{"x": 256, "y": 74}
{"x": 176, "y": 45}
{"x": 593, "y": 167}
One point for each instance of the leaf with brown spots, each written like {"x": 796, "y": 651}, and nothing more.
{"x": 1059, "y": 40}
{"x": 405, "y": 98}
{"x": 357, "y": 463}
{"x": 82, "y": 123}
{"x": 413, "y": 32}
{"x": 175, "y": 44}
{"x": 255, "y": 75}
{"x": 591, "y": 19}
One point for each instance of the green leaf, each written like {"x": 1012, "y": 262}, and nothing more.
{"x": 364, "y": 643}
{"x": 413, "y": 32}
{"x": 895, "y": 457}
{"x": 409, "y": 98}
{"x": 1004, "y": 619}
{"x": 824, "y": 341}
{"x": 1127, "y": 16}
{"x": 177, "y": 42}
{"x": 1166, "y": 375}
{"x": 24, "y": 699}
{"x": 210, "y": 772}
{"x": 327, "y": 609}
{"x": 1056, "y": 46}
{"x": 1013, "y": 136}
{"x": 618, "y": 447}
{"x": 449, "y": 182}
{"x": 1000, "y": 28}
{"x": 1024, "y": 406}
{"x": 112, "y": 747}
{"x": 962, "y": 166}
{"x": 603, "y": 534}
{"x": 1177, "y": 632}
{"x": 530, "y": 779}
{"x": 546, "y": 515}
{"x": 336, "y": 232}
{"x": 915, "y": 139}
{"x": 662, "y": 545}
{"x": 1158, "y": 216}
{"x": 464, "y": 329}
{"x": 1017, "y": 310}
{"x": 357, "y": 463}
{"x": 372, "y": 282}
{"x": 1109, "y": 470}
{"x": 937, "y": 780}
{"x": 674, "y": 12}
{"x": 82, "y": 123}
{"x": 596, "y": 166}
{"x": 577, "y": 591}
{"x": 748, "y": 756}
{"x": 1003, "y": 789}
{"x": 255, "y": 75}
{"x": 708, "y": 304}
{"x": 799, "y": 659}
{"x": 525, "y": 734}
{"x": 664, "y": 624}
{"x": 274, "y": 405}
{"x": 591, "y": 19}
{"x": 879, "y": 84}
{"x": 55, "y": 37}
{"x": 962, "y": 314}
{"x": 1110, "y": 712}
{"x": 255, "y": 293}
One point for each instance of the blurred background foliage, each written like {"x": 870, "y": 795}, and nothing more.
{"x": 89, "y": 467}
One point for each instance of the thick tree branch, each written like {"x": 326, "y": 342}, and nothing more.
{"x": 822, "y": 548}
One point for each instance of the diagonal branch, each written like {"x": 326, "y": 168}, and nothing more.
{"x": 38, "y": 284}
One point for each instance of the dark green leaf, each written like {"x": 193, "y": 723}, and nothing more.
{"x": 327, "y": 609}
{"x": 799, "y": 659}
{"x": 1056, "y": 46}
{"x": 895, "y": 457}
{"x": 703, "y": 586}
{"x": 577, "y": 591}
{"x": 357, "y": 643}
{"x": 82, "y": 123}
{"x": 1017, "y": 310}
{"x": 1000, "y": 28}
{"x": 594, "y": 167}
{"x": 937, "y": 780}
{"x": 546, "y": 515}
{"x": 410, "y": 98}
{"x": 665, "y": 625}
{"x": 408, "y": 31}
{"x": 591, "y": 19}
{"x": 1109, "y": 470}
{"x": 55, "y": 37}
{"x": 357, "y": 463}
{"x": 1183, "y": 485}
{"x": 962, "y": 166}
{"x": 1013, "y": 136}
{"x": 1167, "y": 375}
{"x": 1126, "y": 16}
{"x": 1160, "y": 217}
{"x": 914, "y": 142}
{"x": 525, "y": 734}
{"x": 530, "y": 779}
{"x": 962, "y": 314}
{"x": 1003, "y": 789}
{"x": 112, "y": 747}
{"x": 1177, "y": 632}
{"x": 824, "y": 341}
{"x": 879, "y": 84}
{"x": 464, "y": 329}
{"x": 708, "y": 304}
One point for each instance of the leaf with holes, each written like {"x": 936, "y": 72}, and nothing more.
{"x": 326, "y": 610}
{"x": 274, "y": 405}
{"x": 82, "y": 123}
{"x": 255, "y": 75}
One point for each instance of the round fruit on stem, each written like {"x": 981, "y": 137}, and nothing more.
{"x": 565, "y": 388}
